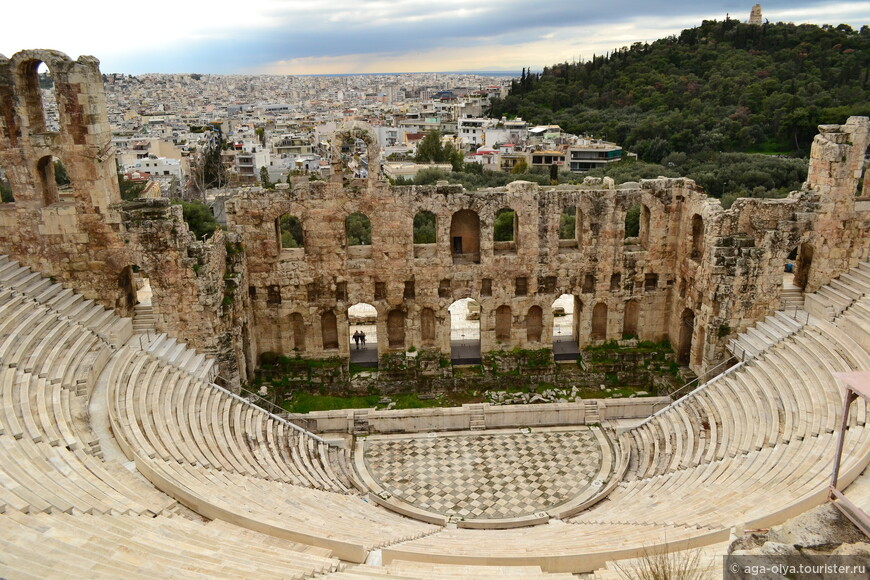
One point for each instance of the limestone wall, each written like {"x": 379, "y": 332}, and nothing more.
{"x": 70, "y": 234}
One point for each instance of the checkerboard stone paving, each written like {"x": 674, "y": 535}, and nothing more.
{"x": 486, "y": 476}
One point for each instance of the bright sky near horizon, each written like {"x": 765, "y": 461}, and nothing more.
{"x": 370, "y": 36}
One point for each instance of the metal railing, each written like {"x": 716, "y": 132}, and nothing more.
{"x": 283, "y": 421}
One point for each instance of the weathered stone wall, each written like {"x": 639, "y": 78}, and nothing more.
{"x": 198, "y": 286}
{"x": 70, "y": 234}
{"x": 695, "y": 274}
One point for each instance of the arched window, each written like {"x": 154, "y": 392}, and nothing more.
{"x": 504, "y": 231}
{"x": 40, "y": 97}
{"x": 465, "y": 237}
{"x": 6, "y": 195}
{"x": 289, "y": 228}
{"x": 424, "y": 227}
{"x": 697, "y": 237}
{"x": 569, "y": 228}
{"x": 427, "y": 326}
{"x": 599, "y": 321}
{"x": 534, "y": 324}
{"x": 632, "y": 222}
{"x": 503, "y": 323}
{"x": 358, "y": 229}
{"x": 396, "y": 329}
{"x": 329, "y": 330}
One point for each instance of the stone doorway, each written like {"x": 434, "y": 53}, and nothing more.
{"x": 362, "y": 320}
{"x": 566, "y": 327}
{"x": 464, "y": 332}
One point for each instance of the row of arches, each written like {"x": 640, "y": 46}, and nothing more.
{"x": 463, "y": 318}
{"x": 465, "y": 231}
{"x": 53, "y": 178}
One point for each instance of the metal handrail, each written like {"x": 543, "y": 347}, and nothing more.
{"x": 283, "y": 421}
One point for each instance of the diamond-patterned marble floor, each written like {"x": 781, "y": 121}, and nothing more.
{"x": 485, "y": 475}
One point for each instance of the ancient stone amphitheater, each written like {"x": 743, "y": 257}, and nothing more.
{"x": 120, "y": 457}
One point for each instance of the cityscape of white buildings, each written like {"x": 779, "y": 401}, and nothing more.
{"x": 283, "y": 123}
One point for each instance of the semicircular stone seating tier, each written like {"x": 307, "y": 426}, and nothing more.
{"x": 750, "y": 448}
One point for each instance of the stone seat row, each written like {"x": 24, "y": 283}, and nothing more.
{"x": 105, "y": 323}
{"x": 100, "y": 546}
{"x": 832, "y": 299}
{"x": 766, "y": 333}
{"x": 187, "y": 359}
{"x": 346, "y": 524}
{"x": 44, "y": 466}
{"x": 407, "y": 570}
{"x": 555, "y": 547}
{"x": 786, "y": 394}
{"x": 166, "y": 413}
{"x": 756, "y": 489}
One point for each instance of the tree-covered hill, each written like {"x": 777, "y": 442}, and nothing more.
{"x": 722, "y": 86}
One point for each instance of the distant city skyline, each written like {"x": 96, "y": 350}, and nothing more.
{"x": 371, "y": 36}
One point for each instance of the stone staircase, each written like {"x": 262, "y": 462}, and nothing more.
{"x": 478, "y": 419}
{"x": 361, "y": 422}
{"x": 591, "y": 414}
{"x": 792, "y": 298}
{"x": 143, "y": 318}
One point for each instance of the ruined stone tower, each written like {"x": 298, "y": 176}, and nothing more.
{"x": 755, "y": 15}
{"x": 70, "y": 234}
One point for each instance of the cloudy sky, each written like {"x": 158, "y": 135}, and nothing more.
{"x": 367, "y": 36}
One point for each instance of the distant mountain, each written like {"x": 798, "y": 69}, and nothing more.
{"x": 722, "y": 86}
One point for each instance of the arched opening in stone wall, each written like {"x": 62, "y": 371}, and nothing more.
{"x": 534, "y": 324}
{"x": 630, "y": 319}
{"x": 504, "y": 232}
{"x": 289, "y": 230}
{"x": 40, "y": 97}
{"x": 396, "y": 329}
{"x": 697, "y": 237}
{"x": 47, "y": 181}
{"x": 424, "y": 235}
{"x": 6, "y": 193}
{"x": 569, "y": 228}
{"x": 644, "y": 226}
{"x": 566, "y": 327}
{"x": 362, "y": 324}
{"x": 297, "y": 332}
{"x": 599, "y": 321}
{"x": 687, "y": 328}
{"x": 428, "y": 327}
{"x": 465, "y": 237}
{"x": 503, "y": 324}
{"x": 632, "y": 222}
{"x": 358, "y": 230}
{"x": 126, "y": 299}
{"x": 464, "y": 331}
{"x": 329, "y": 330}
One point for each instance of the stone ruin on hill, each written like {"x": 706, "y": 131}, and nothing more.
{"x": 695, "y": 275}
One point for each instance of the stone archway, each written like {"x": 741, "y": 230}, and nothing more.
{"x": 687, "y": 329}
{"x": 349, "y": 133}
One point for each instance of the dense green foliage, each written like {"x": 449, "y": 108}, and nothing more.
{"x": 291, "y": 232}
{"x": 359, "y": 230}
{"x": 632, "y": 222}
{"x": 199, "y": 218}
{"x": 504, "y": 225}
{"x": 61, "y": 177}
{"x": 568, "y": 223}
{"x": 424, "y": 228}
{"x": 725, "y": 175}
{"x": 129, "y": 189}
{"x": 722, "y": 86}
{"x": 6, "y": 192}
{"x": 431, "y": 150}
